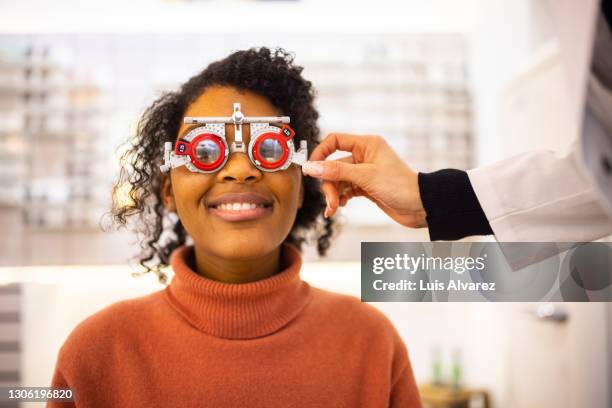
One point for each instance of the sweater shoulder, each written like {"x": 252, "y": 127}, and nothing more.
{"x": 348, "y": 307}
{"x": 101, "y": 329}
{"x": 359, "y": 326}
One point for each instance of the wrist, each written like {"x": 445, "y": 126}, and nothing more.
{"x": 451, "y": 205}
{"x": 417, "y": 207}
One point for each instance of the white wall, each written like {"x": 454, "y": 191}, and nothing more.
{"x": 504, "y": 38}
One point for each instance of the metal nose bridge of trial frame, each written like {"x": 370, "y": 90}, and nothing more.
{"x": 238, "y": 119}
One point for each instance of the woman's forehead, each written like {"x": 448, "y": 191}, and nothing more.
{"x": 219, "y": 101}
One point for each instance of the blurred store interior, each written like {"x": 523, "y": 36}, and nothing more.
{"x": 429, "y": 76}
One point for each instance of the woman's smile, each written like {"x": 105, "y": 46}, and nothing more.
{"x": 236, "y": 207}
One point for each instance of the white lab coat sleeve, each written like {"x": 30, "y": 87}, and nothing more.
{"x": 596, "y": 144}
{"x": 541, "y": 197}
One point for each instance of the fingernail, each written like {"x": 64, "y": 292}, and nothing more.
{"x": 313, "y": 168}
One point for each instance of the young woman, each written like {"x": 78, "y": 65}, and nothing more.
{"x": 236, "y": 326}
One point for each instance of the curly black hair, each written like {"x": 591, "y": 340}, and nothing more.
{"x": 272, "y": 74}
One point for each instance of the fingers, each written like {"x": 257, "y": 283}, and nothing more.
{"x": 331, "y": 190}
{"x": 331, "y": 197}
{"x": 339, "y": 170}
{"x": 347, "y": 192}
{"x": 339, "y": 141}
{"x": 338, "y": 195}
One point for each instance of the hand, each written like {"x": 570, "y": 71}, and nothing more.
{"x": 373, "y": 170}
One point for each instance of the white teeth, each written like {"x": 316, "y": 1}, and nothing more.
{"x": 238, "y": 206}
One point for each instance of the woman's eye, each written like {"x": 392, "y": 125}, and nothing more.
{"x": 207, "y": 151}
{"x": 271, "y": 150}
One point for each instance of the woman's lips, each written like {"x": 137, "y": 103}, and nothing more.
{"x": 240, "y": 214}
{"x": 244, "y": 206}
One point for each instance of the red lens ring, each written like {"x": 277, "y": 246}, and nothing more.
{"x": 264, "y": 163}
{"x": 218, "y": 141}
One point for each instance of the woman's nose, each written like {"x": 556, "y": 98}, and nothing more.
{"x": 239, "y": 169}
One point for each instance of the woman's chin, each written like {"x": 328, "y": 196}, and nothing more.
{"x": 243, "y": 249}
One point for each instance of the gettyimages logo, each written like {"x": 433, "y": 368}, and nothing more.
{"x": 412, "y": 264}
{"x": 486, "y": 272}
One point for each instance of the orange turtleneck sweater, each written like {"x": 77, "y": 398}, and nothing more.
{"x": 277, "y": 342}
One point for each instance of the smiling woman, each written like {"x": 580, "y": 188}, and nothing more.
{"x": 236, "y": 326}
{"x": 247, "y": 241}
{"x": 265, "y": 82}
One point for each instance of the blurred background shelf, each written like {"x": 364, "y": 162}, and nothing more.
{"x": 69, "y": 101}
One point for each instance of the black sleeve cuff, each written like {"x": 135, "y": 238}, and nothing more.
{"x": 606, "y": 8}
{"x": 452, "y": 208}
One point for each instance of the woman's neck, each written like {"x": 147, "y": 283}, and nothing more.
{"x": 237, "y": 271}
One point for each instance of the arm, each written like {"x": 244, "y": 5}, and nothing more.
{"x": 452, "y": 208}
{"x": 59, "y": 381}
{"x": 404, "y": 391}
{"x": 537, "y": 196}
{"x": 546, "y": 196}
{"x": 540, "y": 196}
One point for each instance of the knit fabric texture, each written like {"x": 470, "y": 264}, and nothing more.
{"x": 277, "y": 342}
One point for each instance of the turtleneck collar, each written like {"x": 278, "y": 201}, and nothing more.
{"x": 238, "y": 310}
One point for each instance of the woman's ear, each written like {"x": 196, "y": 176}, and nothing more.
{"x": 167, "y": 194}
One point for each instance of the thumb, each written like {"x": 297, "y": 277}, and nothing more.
{"x": 336, "y": 170}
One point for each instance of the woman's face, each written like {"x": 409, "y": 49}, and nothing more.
{"x": 207, "y": 204}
